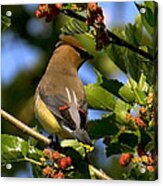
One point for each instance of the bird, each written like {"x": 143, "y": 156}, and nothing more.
{"x": 60, "y": 101}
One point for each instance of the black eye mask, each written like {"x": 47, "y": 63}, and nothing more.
{"x": 83, "y": 54}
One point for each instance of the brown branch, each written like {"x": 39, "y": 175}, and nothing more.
{"x": 115, "y": 39}
{"x": 22, "y": 126}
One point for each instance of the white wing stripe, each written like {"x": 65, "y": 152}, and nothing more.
{"x": 68, "y": 94}
{"x": 75, "y": 98}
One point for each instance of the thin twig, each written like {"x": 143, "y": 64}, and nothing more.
{"x": 17, "y": 123}
{"x": 22, "y": 126}
{"x": 117, "y": 40}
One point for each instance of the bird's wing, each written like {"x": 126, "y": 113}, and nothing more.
{"x": 72, "y": 116}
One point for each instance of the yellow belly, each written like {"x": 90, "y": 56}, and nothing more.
{"x": 48, "y": 120}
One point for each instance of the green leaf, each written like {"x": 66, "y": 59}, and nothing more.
{"x": 99, "y": 98}
{"x": 81, "y": 166}
{"x": 150, "y": 17}
{"x": 117, "y": 148}
{"x": 102, "y": 127}
{"x": 143, "y": 85}
{"x": 138, "y": 30}
{"x": 128, "y": 138}
{"x": 121, "y": 111}
{"x": 37, "y": 171}
{"x": 117, "y": 55}
{"x": 127, "y": 94}
{"x": 87, "y": 42}
{"x": 73, "y": 27}
{"x": 111, "y": 85}
{"x": 140, "y": 96}
{"x": 75, "y": 145}
{"x": 15, "y": 149}
{"x": 5, "y": 23}
{"x": 113, "y": 148}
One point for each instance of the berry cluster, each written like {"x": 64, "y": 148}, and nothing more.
{"x": 94, "y": 14}
{"x": 146, "y": 115}
{"x": 144, "y": 161}
{"x": 48, "y": 11}
{"x": 55, "y": 164}
{"x": 95, "y": 18}
{"x": 144, "y": 121}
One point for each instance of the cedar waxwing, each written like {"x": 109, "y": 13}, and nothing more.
{"x": 60, "y": 103}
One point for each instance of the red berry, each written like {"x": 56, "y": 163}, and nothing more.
{"x": 125, "y": 159}
{"x": 38, "y": 13}
{"x": 59, "y": 6}
{"x": 92, "y": 6}
{"x": 143, "y": 110}
{"x": 47, "y": 170}
{"x": 150, "y": 159}
{"x": 69, "y": 160}
{"x": 63, "y": 163}
{"x": 56, "y": 155}
{"x": 151, "y": 168}
{"x": 139, "y": 122}
{"x": 58, "y": 175}
{"x": 47, "y": 153}
{"x": 129, "y": 116}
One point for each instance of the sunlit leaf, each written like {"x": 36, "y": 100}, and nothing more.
{"x": 102, "y": 127}
{"x": 99, "y": 98}
{"x": 15, "y": 149}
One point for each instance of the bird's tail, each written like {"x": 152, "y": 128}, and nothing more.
{"x": 84, "y": 139}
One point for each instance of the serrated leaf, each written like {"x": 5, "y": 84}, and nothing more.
{"x": 117, "y": 55}
{"x": 99, "y": 98}
{"x": 142, "y": 85}
{"x": 149, "y": 16}
{"x": 5, "y": 23}
{"x": 113, "y": 148}
{"x": 81, "y": 166}
{"x": 73, "y": 27}
{"x": 121, "y": 111}
{"x": 87, "y": 42}
{"x": 75, "y": 145}
{"x": 111, "y": 85}
{"x": 127, "y": 94}
{"x": 117, "y": 148}
{"x": 138, "y": 29}
{"x": 102, "y": 127}
{"x": 140, "y": 96}
{"x": 129, "y": 139}
{"x": 15, "y": 149}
